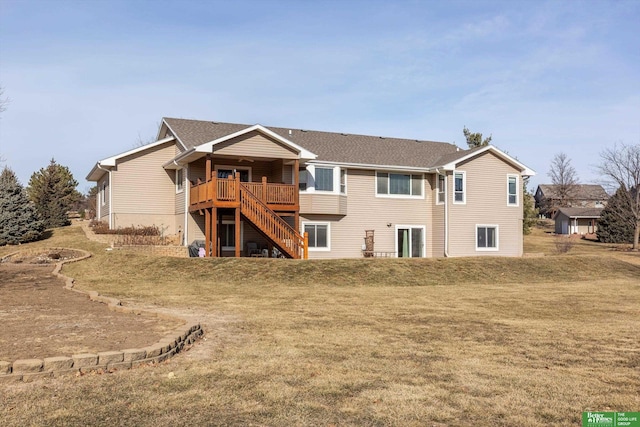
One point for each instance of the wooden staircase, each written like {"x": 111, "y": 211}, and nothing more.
{"x": 285, "y": 238}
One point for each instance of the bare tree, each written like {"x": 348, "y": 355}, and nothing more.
{"x": 564, "y": 177}
{"x": 3, "y": 101}
{"x": 474, "y": 139}
{"x": 620, "y": 167}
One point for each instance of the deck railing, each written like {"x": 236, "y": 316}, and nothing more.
{"x": 276, "y": 228}
{"x": 224, "y": 190}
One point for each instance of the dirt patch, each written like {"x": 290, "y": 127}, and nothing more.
{"x": 42, "y": 319}
{"x": 48, "y": 256}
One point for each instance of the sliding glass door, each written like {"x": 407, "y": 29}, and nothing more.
{"x": 410, "y": 241}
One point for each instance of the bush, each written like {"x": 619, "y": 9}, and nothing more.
{"x": 129, "y": 236}
{"x": 564, "y": 244}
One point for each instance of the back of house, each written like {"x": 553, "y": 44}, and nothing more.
{"x": 252, "y": 190}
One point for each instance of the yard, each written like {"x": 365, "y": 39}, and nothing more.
{"x": 483, "y": 341}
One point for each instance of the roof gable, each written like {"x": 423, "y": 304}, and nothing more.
{"x": 102, "y": 165}
{"x": 450, "y": 161}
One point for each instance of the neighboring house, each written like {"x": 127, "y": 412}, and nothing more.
{"x": 548, "y": 198}
{"x": 577, "y": 220}
{"x": 249, "y": 190}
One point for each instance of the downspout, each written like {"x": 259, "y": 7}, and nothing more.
{"x": 187, "y": 190}
{"x": 110, "y": 202}
{"x": 446, "y": 216}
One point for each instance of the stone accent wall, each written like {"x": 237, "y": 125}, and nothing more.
{"x": 173, "y": 251}
{"x": 159, "y": 250}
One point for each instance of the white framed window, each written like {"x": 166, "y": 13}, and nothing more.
{"x": 440, "y": 186}
{"x": 487, "y": 237}
{"x": 227, "y": 235}
{"x": 319, "y": 235}
{"x": 179, "y": 180}
{"x": 343, "y": 181}
{"x": 392, "y": 184}
{"x": 225, "y": 171}
{"x": 459, "y": 187}
{"x": 323, "y": 179}
{"x": 410, "y": 241}
{"x": 103, "y": 194}
{"x": 512, "y": 190}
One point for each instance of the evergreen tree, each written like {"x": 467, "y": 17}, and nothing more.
{"x": 474, "y": 139}
{"x": 19, "y": 222}
{"x": 529, "y": 212}
{"x": 53, "y": 191}
{"x": 616, "y": 224}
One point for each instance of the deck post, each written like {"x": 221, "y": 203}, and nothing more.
{"x": 207, "y": 232}
{"x": 296, "y": 194}
{"x": 213, "y": 225}
{"x": 306, "y": 245}
{"x": 208, "y": 168}
{"x": 238, "y": 242}
{"x": 264, "y": 189}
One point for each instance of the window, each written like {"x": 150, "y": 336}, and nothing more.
{"x": 179, "y": 180}
{"x": 227, "y": 235}
{"x": 410, "y": 241}
{"x": 302, "y": 184}
{"x": 441, "y": 185}
{"x": 512, "y": 190}
{"x": 318, "y": 235}
{"x": 103, "y": 194}
{"x": 398, "y": 184}
{"x": 458, "y": 187}
{"x": 343, "y": 181}
{"x": 487, "y": 237}
{"x": 229, "y": 171}
{"x": 324, "y": 179}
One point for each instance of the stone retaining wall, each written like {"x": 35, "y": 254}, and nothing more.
{"x": 174, "y": 251}
{"x": 29, "y": 369}
{"x": 111, "y": 239}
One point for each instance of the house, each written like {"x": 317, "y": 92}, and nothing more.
{"x": 577, "y": 220}
{"x": 252, "y": 190}
{"x": 548, "y": 198}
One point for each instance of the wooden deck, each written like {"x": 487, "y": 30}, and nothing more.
{"x": 261, "y": 203}
{"x": 225, "y": 193}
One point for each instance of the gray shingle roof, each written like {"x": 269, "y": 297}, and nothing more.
{"x": 331, "y": 146}
{"x": 581, "y": 212}
{"x": 578, "y": 192}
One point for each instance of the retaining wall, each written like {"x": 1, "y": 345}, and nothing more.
{"x": 29, "y": 369}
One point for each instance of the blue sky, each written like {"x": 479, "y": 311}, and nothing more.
{"x": 89, "y": 79}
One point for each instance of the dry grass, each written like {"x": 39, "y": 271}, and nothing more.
{"x": 488, "y": 341}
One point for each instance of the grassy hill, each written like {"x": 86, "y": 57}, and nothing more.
{"x": 476, "y": 341}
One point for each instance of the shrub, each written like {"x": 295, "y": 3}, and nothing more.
{"x": 129, "y": 236}
{"x": 564, "y": 244}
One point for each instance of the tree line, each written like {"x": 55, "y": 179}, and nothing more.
{"x": 25, "y": 213}
{"x": 620, "y": 170}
